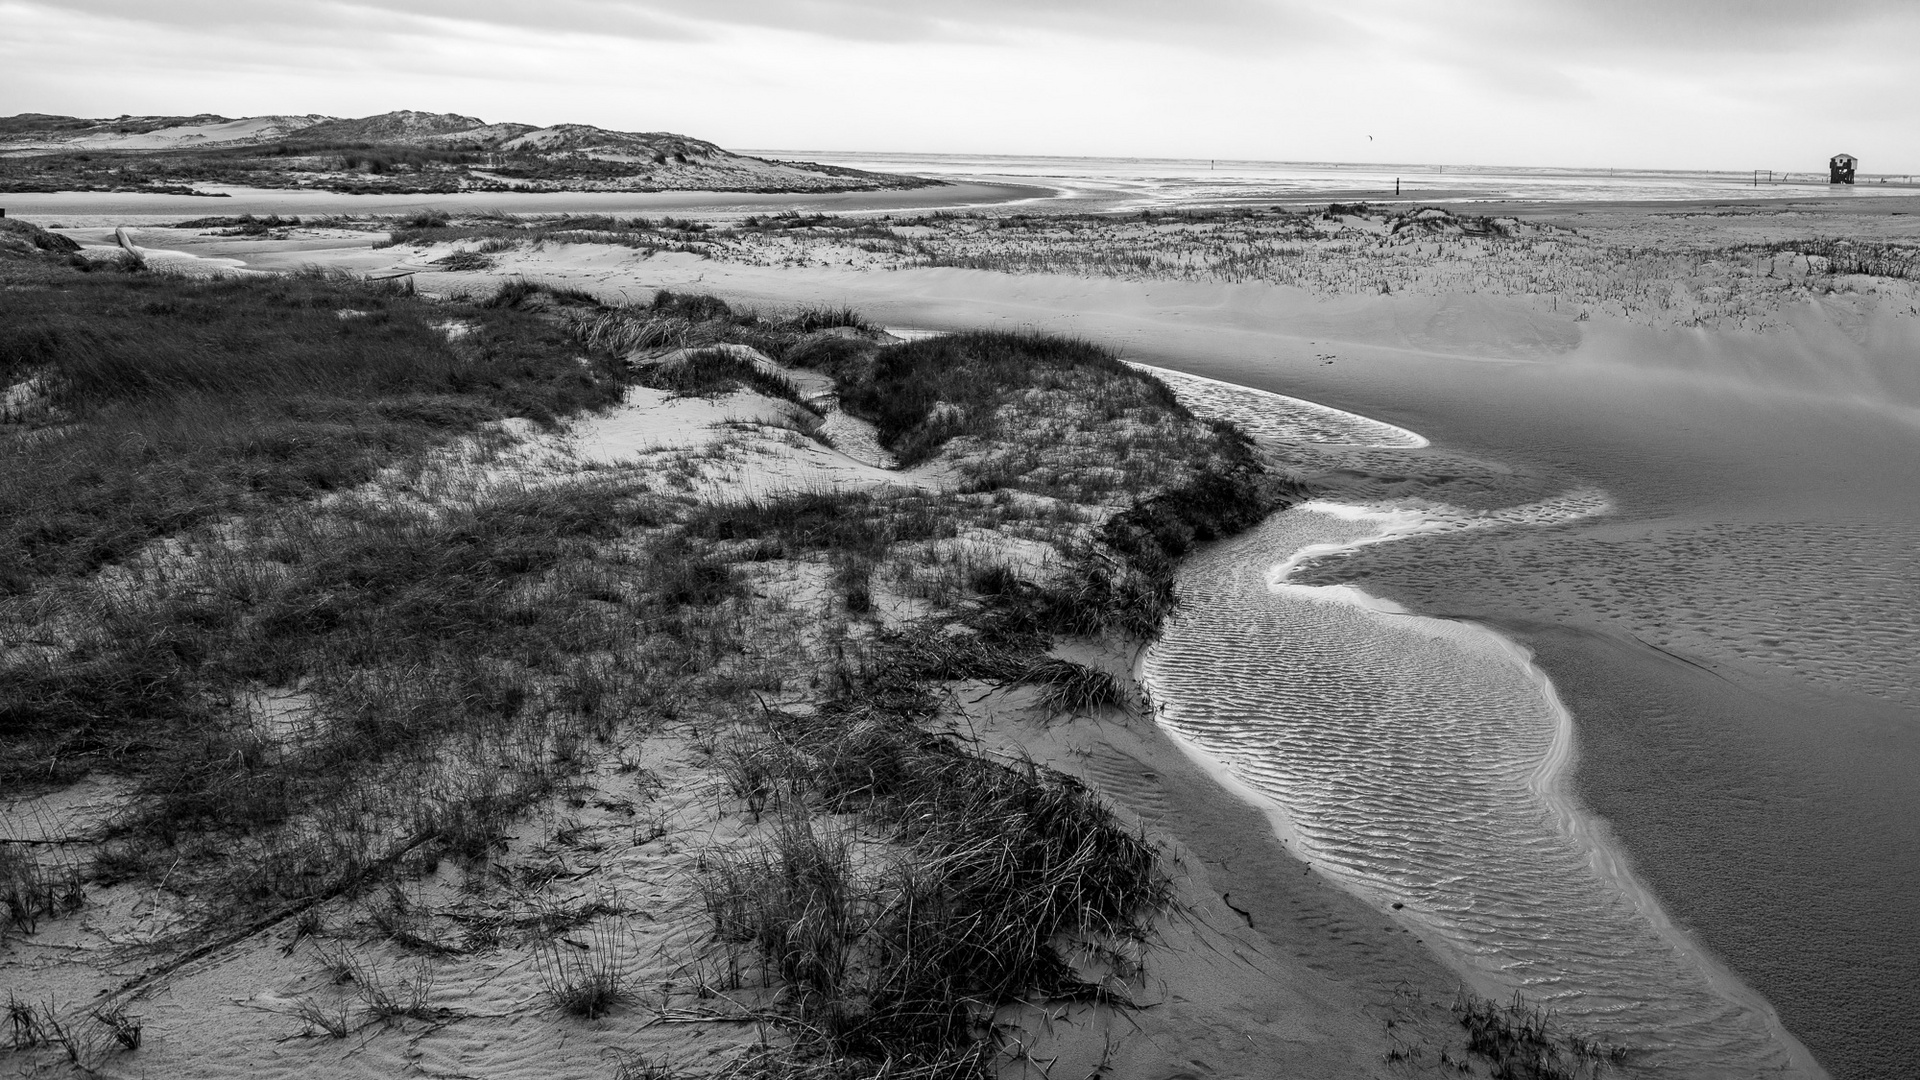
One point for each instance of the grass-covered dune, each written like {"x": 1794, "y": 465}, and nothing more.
{"x": 157, "y": 403}
{"x": 283, "y": 578}
{"x": 391, "y": 153}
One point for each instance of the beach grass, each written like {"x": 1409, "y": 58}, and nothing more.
{"x": 164, "y": 401}
{"x": 1521, "y": 1041}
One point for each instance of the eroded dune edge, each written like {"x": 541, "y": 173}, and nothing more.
{"x": 524, "y": 685}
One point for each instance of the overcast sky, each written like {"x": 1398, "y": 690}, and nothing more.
{"x": 1729, "y": 84}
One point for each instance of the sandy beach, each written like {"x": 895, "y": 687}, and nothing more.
{"x": 1729, "y": 636}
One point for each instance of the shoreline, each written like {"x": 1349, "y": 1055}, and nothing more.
{"x": 140, "y": 209}
{"x": 1268, "y": 963}
{"x": 1548, "y": 779}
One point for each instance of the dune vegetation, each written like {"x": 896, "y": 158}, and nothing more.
{"x": 292, "y": 575}
{"x": 1690, "y": 275}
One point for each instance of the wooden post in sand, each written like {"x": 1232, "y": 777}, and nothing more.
{"x": 405, "y": 276}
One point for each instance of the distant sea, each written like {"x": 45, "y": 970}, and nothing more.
{"x": 1005, "y": 182}
{"x": 1144, "y": 183}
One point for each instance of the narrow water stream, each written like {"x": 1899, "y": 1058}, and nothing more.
{"x": 1423, "y": 763}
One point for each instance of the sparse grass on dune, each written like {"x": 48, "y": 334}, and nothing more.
{"x": 997, "y": 865}
{"x": 1521, "y": 1042}
{"x": 508, "y": 631}
{"x": 35, "y": 886}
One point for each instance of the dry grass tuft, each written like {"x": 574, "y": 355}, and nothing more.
{"x": 1521, "y": 1042}
{"x": 32, "y": 889}
{"x": 586, "y": 976}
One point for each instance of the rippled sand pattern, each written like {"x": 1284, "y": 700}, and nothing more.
{"x": 1418, "y": 761}
{"x": 1835, "y": 604}
{"x": 1277, "y": 417}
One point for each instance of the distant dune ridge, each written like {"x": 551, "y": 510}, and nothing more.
{"x": 395, "y": 152}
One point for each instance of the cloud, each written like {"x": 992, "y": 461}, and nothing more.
{"x": 378, "y": 19}
{"x": 1499, "y": 33}
{"x": 1225, "y": 24}
{"x": 1633, "y": 82}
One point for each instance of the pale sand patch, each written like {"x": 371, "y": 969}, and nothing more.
{"x": 248, "y": 1010}
{"x": 740, "y": 446}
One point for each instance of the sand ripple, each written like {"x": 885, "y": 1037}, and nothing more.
{"x": 1833, "y": 603}
{"x": 1419, "y": 762}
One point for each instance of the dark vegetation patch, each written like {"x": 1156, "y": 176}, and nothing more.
{"x": 713, "y": 372}
{"x": 806, "y": 337}
{"x": 520, "y": 293}
{"x": 1522, "y": 1042}
{"x": 178, "y": 400}
{"x": 1871, "y": 257}
{"x": 464, "y": 261}
{"x": 1001, "y": 863}
{"x": 923, "y": 393}
{"x": 851, "y": 522}
{"x": 242, "y": 225}
{"x": 647, "y": 234}
{"x": 24, "y": 239}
